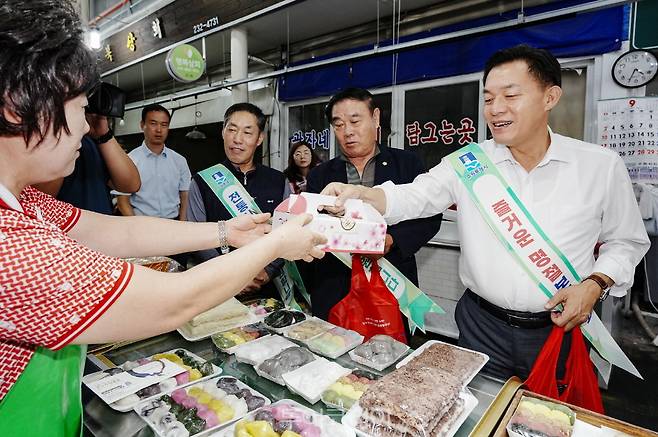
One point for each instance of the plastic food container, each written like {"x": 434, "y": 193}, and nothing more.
{"x": 335, "y": 342}
{"x": 347, "y": 390}
{"x": 200, "y": 408}
{"x": 380, "y": 352}
{"x": 311, "y": 380}
{"x": 263, "y": 307}
{"x": 285, "y": 361}
{"x": 287, "y": 415}
{"x": 257, "y": 351}
{"x": 279, "y": 321}
{"x": 198, "y": 370}
{"x": 228, "y": 341}
{"x": 305, "y": 331}
{"x": 535, "y": 417}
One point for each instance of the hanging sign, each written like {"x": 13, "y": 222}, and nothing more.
{"x": 185, "y": 63}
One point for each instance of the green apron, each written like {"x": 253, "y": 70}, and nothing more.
{"x": 45, "y": 401}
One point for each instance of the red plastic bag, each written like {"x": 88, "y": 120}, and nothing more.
{"x": 582, "y": 387}
{"x": 369, "y": 308}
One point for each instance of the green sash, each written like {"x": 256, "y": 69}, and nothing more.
{"x": 237, "y": 200}
{"x": 45, "y": 401}
{"x": 526, "y": 241}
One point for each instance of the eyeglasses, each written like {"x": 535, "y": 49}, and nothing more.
{"x": 299, "y": 153}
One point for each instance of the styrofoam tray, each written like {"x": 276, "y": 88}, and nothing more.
{"x": 351, "y": 418}
{"x": 329, "y": 427}
{"x": 216, "y": 372}
{"x": 187, "y": 335}
{"x": 212, "y": 430}
{"x": 315, "y": 371}
{"x": 427, "y": 344}
{"x": 244, "y": 353}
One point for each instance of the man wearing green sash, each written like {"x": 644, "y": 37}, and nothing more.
{"x": 243, "y": 133}
{"x": 566, "y": 193}
{"x": 63, "y": 283}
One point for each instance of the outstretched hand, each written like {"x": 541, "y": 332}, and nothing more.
{"x": 297, "y": 242}
{"x": 244, "y": 229}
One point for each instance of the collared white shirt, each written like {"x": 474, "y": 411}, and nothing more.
{"x": 163, "y": 177}
{"x": 580, "y": 194}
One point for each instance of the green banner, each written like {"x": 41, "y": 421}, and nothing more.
{"x": 237, "y": 200}
{"x": 526, "y": 241}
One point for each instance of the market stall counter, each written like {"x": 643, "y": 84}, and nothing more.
{"x": 101, "y": 420}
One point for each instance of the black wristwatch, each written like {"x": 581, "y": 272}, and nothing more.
{"x": 105, "y": 138}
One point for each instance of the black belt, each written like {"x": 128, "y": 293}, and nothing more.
{"x": 516, "y": 319}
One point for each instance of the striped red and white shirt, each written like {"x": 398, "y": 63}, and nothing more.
{"x": 51, "y": 287}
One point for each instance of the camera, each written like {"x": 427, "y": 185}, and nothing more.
{"x": 107, "y": 99}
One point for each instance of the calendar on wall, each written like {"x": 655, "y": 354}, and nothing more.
{"x": 629, "y": 127}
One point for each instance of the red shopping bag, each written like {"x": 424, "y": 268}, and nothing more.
{"x": 369, "y": 308}
{"x": 582, "y": 388}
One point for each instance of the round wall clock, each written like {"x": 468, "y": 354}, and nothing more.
{"x": 635, "y": 68}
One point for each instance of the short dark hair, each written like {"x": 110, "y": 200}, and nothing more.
{"x": 43, "y": 64}
{"x": 360, "y": 94}
{"x": 154, "y": 107}
{"x": 542, "y": 65}
{"x": 247, "y": 107}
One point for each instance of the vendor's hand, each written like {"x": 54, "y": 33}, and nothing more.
{"x": 256, "y": 283}
{"x": 578, "y": 301}
{"x": 98, "y": 125}
{"x": 388, "y": 244}
{"x": 244, "y": 229}
{"x": 342, "y": 193}
{"x": 296, "y": 242}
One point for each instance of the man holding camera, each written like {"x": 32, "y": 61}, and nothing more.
{"x": 101, "y": 166}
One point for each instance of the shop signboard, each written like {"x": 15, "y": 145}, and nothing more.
{"x": 643, "y": 25}
{"x": 185, "y": 63}
{"x": 440, "y": 120}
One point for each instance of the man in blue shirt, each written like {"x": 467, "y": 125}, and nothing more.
{"x": 164, "y": 173}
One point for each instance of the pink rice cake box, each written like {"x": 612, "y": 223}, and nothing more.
{"x": 362, "y": 229}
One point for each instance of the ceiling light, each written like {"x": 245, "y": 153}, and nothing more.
{"x": 94, "y": 39}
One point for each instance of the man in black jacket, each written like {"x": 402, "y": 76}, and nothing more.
{"x": 364, "y": 162}
{"x": 243, "y": 132}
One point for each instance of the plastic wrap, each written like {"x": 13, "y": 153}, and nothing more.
{"x": 159, "y": 263}
{"x": 257, "y": 351}
{"x": 305, "y": 331}
{"x": 198, "y": 369}
{"x": 229, "y": 341}
{"x": 347, "y": 390}
{"x": 279, "y": 321}
{"x": 286, "y": 415}
{"x": 310, "y": 380}
{"x": 538, "y": 418}
{"x": 380, "y": 352}
{"x": 200, "y": 407}
{"x": 285, "y": 361}
{"x": 335, "y": 342}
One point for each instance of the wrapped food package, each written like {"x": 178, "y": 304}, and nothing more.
{"x": 308, "y": 329}
{"x": 227, "y": 340}
{"x": 348, "y": 389}
{"x": 380, "y": 352}
{"x": 200, "y": 407}
{"x": 538, "y": 418}
{"x": 335, "y": 342}
{"x": 262, "y": 349}
{"x": 311, "y": 380}
{"x": 285, "y": 361}
{"x": 280, "y": 319}
{"x": 228, "y": 315}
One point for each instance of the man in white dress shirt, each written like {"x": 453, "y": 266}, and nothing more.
{"x": 579, "y": 193}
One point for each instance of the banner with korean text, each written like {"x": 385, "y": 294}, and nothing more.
{"x": 526, "y": 242}
{"x": 237, "y": 200}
